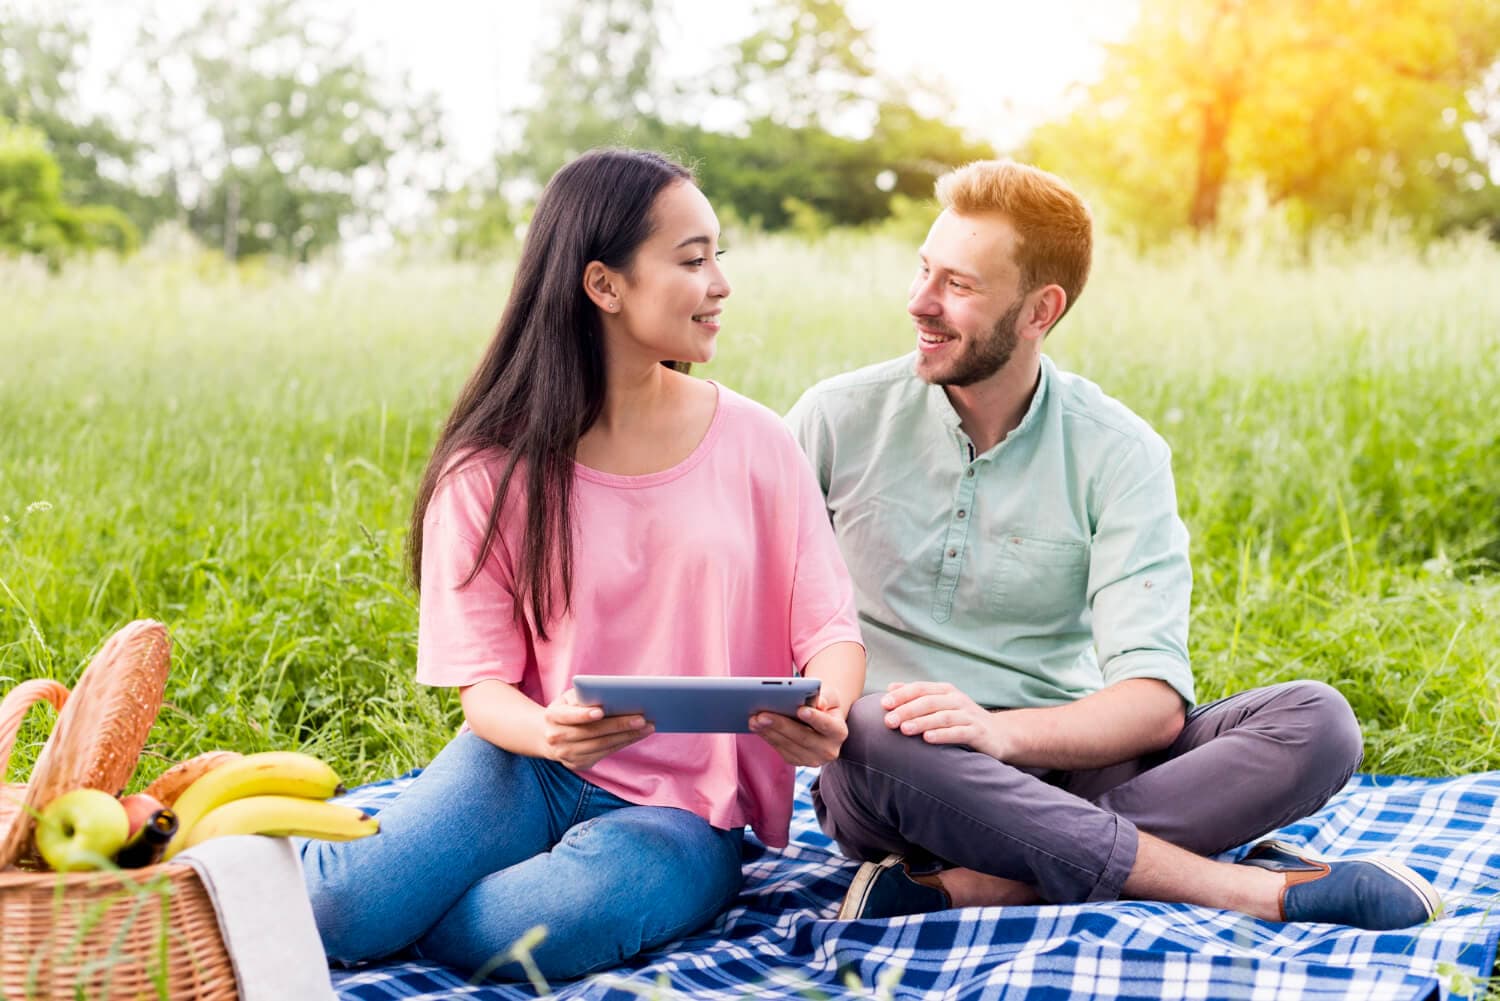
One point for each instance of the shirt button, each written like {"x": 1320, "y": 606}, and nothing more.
{"x": 963, "y": 514}
{"x": 969, "y": 472}
{"x": 952, "y": 553}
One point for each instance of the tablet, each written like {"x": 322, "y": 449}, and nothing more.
{"x": 695, "y": 705}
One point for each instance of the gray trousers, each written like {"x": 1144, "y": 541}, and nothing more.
{"x": 1242, "y": 766}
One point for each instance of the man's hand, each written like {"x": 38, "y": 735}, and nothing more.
{"x": 813, "y": 738}
{"x": 578, "y": 736}
{"x": 941, "y": 714}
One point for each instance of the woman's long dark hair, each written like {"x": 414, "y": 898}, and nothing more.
{"x": 540, "y": 385}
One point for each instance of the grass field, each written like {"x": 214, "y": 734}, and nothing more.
{"x": 236, "y": 455}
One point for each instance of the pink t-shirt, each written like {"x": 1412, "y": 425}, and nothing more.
{"x": 723, "y": 565}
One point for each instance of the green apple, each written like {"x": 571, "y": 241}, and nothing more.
{"x": 81, "y": 829}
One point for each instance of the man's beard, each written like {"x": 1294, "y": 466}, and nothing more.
{"x": 984, "y": 356}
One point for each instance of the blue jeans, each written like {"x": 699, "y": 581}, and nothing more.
{"x": 486, "y": 844}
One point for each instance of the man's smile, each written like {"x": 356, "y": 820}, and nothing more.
{"x": 933, "y": 340}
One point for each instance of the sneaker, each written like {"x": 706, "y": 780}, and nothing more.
{"x": 886, "y": 889}
{"x": 1366, "y": 891}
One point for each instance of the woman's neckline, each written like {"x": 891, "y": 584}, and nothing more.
{"x": 681, "y": 468}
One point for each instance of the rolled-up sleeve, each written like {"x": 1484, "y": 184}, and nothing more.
{"x": 1140, "y": 580}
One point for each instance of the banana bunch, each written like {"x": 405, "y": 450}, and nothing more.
{"x": 278, "y": 793}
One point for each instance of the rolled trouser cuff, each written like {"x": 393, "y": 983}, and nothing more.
{"x": 1117, "y": 866}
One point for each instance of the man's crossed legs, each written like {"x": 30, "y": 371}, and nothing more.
{"x": 998, "y": 834}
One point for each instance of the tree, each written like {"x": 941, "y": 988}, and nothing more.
{"x": 35, "y": 218}
{"x": 827, "y": 138}
{"x": 278, "y": 134}
{"x": 39, "y": 70}
{"x": 917, "y": 149}
{"x": 815, "y": 144}
{"x": 807, "y": 65}
{"x": 1336, "y": 110}
{"x": 599, "y": 85}
{"x": 476, "y": 222}
{"x": 776, "y": 174}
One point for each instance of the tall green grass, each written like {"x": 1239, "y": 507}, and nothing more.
{"x": 235, "y": 453}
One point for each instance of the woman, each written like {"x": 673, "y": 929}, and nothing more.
{"x": 592, "y": 508}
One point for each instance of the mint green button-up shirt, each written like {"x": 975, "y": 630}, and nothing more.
{"x": 1040, "y": 571}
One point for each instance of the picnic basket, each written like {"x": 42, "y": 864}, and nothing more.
{"x": 140, "y": 933}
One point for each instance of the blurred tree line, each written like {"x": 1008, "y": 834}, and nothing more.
{"x": 818, "y": 137}
{"x": 1329, "y": 113}
{"x": 259, "y": 128}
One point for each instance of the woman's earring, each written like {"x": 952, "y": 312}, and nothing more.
{"x": 614, "y": 306}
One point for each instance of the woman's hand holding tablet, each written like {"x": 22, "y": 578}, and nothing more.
{"x": 813, "y": 738}
{"x": 578, "y": 736}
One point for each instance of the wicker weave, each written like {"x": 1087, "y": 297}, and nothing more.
{"x": 100, "y": 935}
{"x": 149, "y": 932}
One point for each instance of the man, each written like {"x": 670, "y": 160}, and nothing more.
{"x": 1023, "y": 584}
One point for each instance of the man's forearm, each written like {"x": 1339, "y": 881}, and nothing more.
{"x": 1118, "y": 723}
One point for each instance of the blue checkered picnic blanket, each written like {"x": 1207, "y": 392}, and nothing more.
{"x": 780, "y": 940}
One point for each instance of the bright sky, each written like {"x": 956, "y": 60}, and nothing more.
{"x": 1006, "y": 63}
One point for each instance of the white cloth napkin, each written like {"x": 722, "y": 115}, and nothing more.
{"x": 264, "y": 915}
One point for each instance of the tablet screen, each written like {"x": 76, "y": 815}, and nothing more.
{"x": 695, "y": 705}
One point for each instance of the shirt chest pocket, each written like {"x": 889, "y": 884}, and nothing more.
{"x": 1039, "y": 582}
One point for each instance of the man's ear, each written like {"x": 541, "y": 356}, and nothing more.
{"x": 1048, "y": 304}
{"x": 603, "y": 286}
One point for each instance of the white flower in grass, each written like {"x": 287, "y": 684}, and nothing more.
{"x": 36, "y": 507}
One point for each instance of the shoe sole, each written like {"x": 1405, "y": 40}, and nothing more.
{"x": 859, "y": 888}
{"x": 1413, "y": 880}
